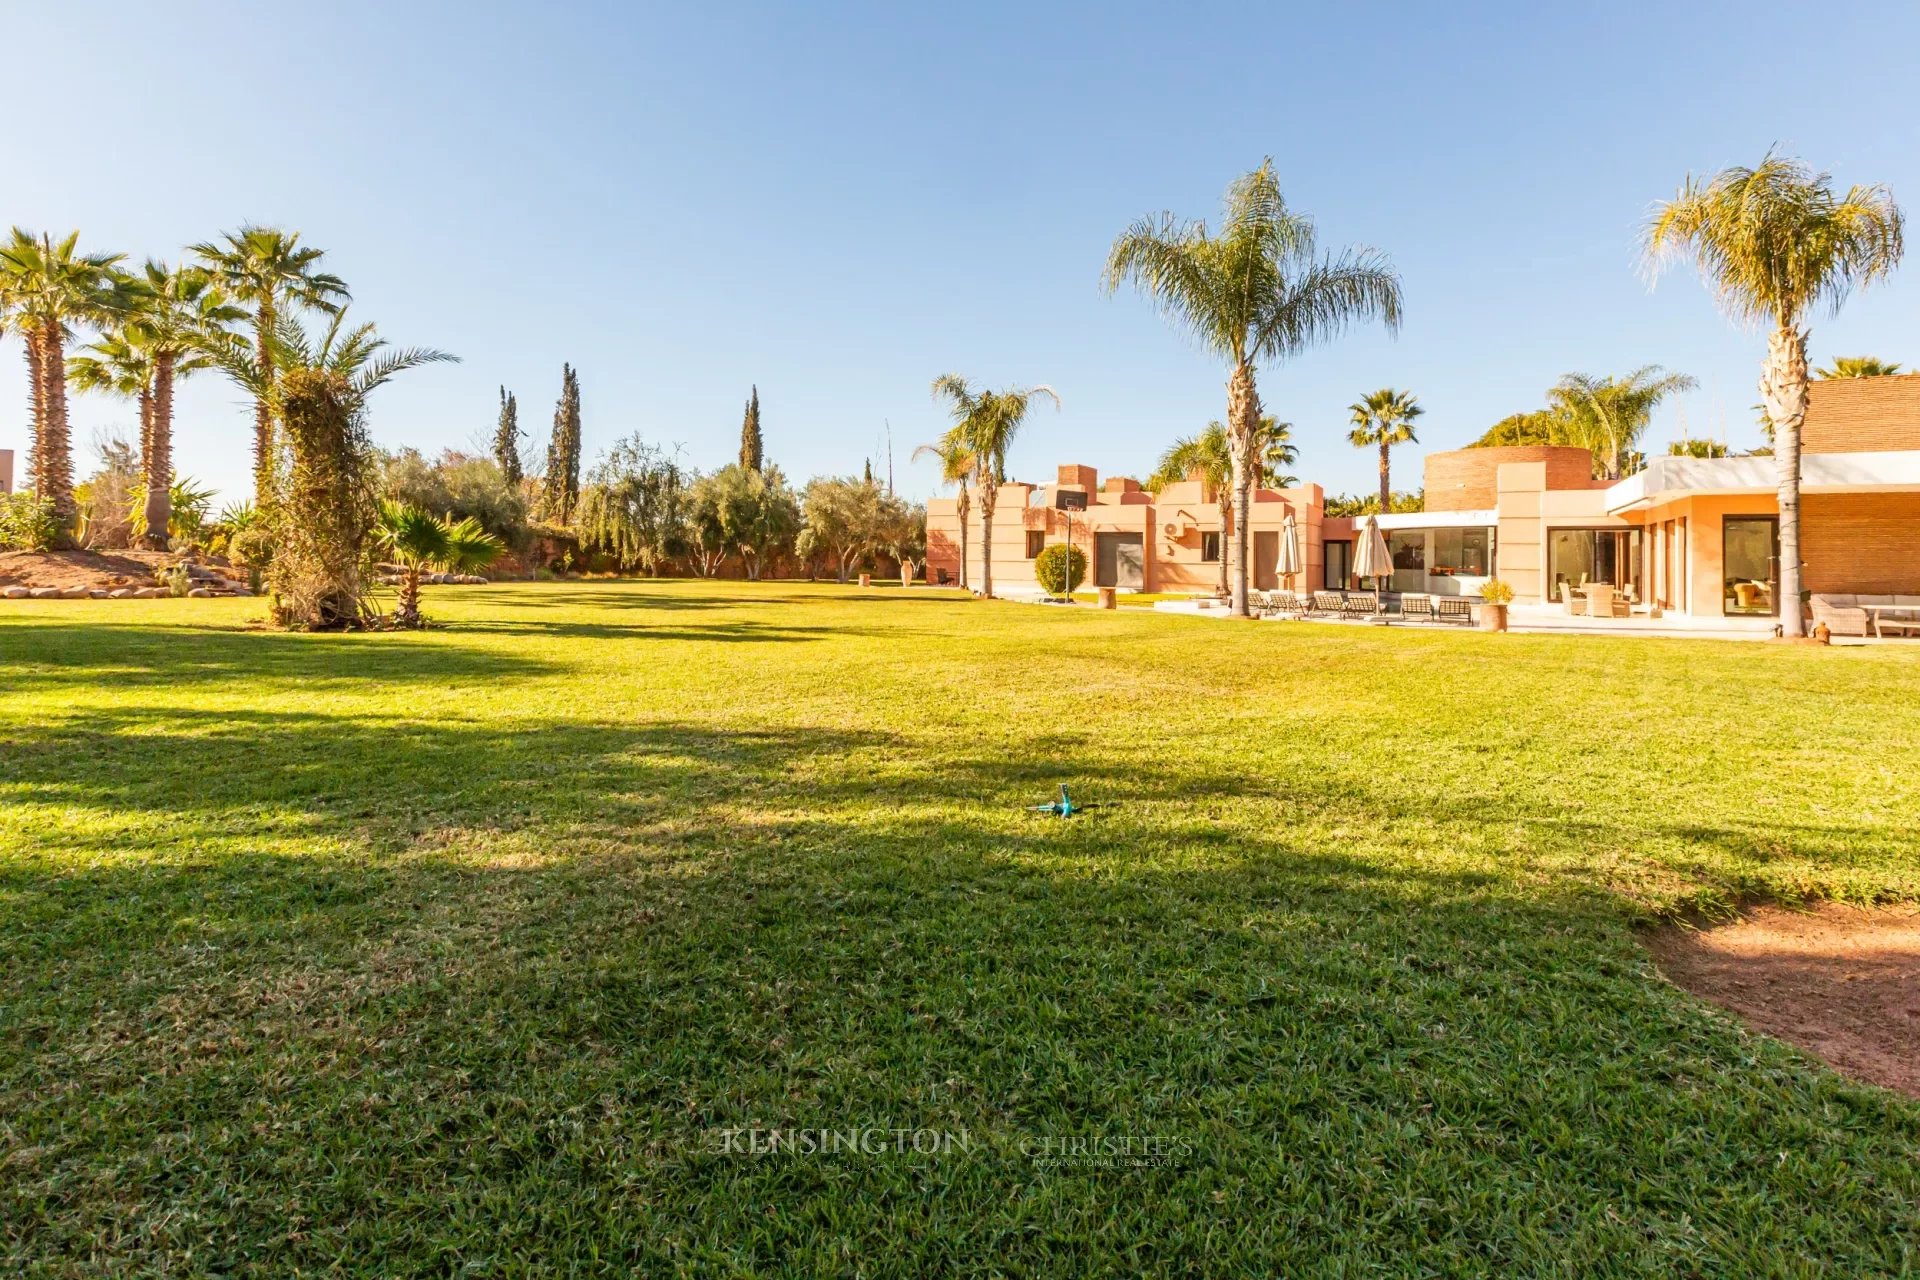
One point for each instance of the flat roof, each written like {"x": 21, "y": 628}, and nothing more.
{"x": 1667, "y": 479}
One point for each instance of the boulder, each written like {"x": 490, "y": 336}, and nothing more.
{"x": 76, "y": 593}
{"x": 150, "y": 593}
{"x": 120, "y": 593}
{"x": 241, "y": 591}
{"x": 46, "y": 593}
{"x": 200, "y": 593}
{"x": 98, "y": 593}
{"x": 17, "y": 593}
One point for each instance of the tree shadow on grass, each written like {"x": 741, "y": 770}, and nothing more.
{"x": 42, "y": 655}
{"x": 512, "y": 978}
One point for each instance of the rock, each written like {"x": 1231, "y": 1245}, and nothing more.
{"x": 201, "y": 573}
{"x": 242, "y": 591}
{"x": 98, "y": 593}
{"x": 46, "y": 593}
{"x": 120, "y": 593}
{"x": 200, "y": 593}
{"x": 150, "y": 593}
{"x": 76, "y": 593}
{"x": 17, "y": 593}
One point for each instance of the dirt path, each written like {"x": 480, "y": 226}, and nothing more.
{"x": 1840, "y": 982}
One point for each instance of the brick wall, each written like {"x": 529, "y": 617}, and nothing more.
{"x": 1867, "y": 543}
{"x": 1855, "y": 415}
{"x": 1466, "y": 479}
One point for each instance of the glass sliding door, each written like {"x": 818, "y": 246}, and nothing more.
{"x": 1339, "y": 564}
{"x": 1577, "y": 557}
{"x": 1750, "y": 565}
{"x": 1407, "y": 552}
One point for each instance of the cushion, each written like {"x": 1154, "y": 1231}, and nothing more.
{"x": 1833, "y": 601}
{"x": 1910, "y": 601}
{"x": 1874, "y": 599}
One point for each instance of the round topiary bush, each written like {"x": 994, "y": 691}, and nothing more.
{"x": 1056, "y": 564}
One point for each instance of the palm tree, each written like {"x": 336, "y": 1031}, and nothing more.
{"x": 985, "y": 423}
{"x": 1259, "y": 289}
{"x": 1210, "y": 456}
{"x": 1609, "y": 414}
{"x": 1774, "y": 243}
{"x": 956, "y": 465}
{"x": 317, "y": 389}
{"x": 419, "y": 541}
{"x": 1382, "y": 420}
{"x": 1859, "y": 367}
{"x": 179, "y": 317}
{"x": 51, "y": 288}
{"x": 267, "y": 269}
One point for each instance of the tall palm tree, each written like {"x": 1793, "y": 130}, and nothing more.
{"x": 1609, "y": 414}
{"x": 1774, "y": 243}
{"x": 985, "y": 423}
{"x": 956, "y": 466}
{"x": 51, "y": 288}
{"x": 1859, "y": 367}
{"x": 1382, "y": 420}
{"x": 1209, "y": 455}
{"x": 179, "y": 317}
{"x": 269, "y": 271}
{"x": 1259, "y": 289}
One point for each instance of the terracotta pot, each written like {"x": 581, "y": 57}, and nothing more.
{"x": 866, "y": 579}
{"x": 1492, "y": 617}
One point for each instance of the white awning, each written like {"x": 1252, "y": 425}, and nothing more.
{"x": 1668, "y": 479}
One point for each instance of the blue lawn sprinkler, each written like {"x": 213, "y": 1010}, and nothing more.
{"x": 1064, "y": 807}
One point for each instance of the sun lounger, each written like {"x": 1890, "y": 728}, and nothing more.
{"x": 1453, "y": 609}
{"x": 1327, "y": 602}
{"x": 1416, "y": 608}
{"x": 1361, "y": 604}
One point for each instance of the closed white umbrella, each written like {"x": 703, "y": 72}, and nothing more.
{"x": 1289, "y": 550}
{"x": 1371, "y": 559}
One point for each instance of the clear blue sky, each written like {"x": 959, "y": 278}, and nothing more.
{"x": 839, "y": 202}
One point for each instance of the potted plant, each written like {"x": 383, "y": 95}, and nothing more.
{"x": 1495, "y": 596}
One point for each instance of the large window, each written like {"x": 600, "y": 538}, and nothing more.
{"x": 1407, "y": 552}
{"x": 1210, "y": 548}
{"x": 1459, "y": 553}
{"x": 1339, "y": 566}
{"x": 1750, "y": 564}
{"x": 1577, "y": 557}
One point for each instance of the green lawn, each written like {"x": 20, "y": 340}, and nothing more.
{"x": 457, "y": 952}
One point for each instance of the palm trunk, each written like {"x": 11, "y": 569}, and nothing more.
{"x": 988, "y": 496}
{"x": 960, "y": 509}
{"x": 159, "y": 454}
{"x": 1221, "y": 499}
{"x": 1783, "y": 389}
{"x": 35, "y": 422}
{"x": 1386, "y": 480}
{"x": 1243, "y": 421}
{"x": 54, "y": 478}
{"x": 407, "y": 612}
{"x": 263, "y": 469}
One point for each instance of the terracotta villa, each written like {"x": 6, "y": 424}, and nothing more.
{"x": 1694, "y": 537}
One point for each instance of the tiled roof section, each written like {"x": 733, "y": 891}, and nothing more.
{"x": 1855, "y": 415}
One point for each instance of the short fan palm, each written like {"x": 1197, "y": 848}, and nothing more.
{"x": 418, "y": 542}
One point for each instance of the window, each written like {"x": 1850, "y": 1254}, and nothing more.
{"x": 1339, "y": 564}
{"x": 1750, "y": 564}
{"x": 1210, "y": 548}
{"x": 1459, "y": 553}
{"x": 1579, "y": 556}
{"x": 1036, "y": 542}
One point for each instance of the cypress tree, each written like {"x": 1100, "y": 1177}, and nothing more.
{"x": 561, "y": 493}
{"x": 750, "y": 453}
{"x": 506, "y": 438}
{"x": 868, "y": 475}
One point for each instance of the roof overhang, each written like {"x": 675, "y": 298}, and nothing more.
{"x": 1672, "y": 479}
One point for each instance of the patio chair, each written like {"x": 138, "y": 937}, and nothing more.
{"x": 1416, "y": 608}
{"x": 1327, "y": 602}
{"x": 1604, "y": 602}
{"x": 1453, "y": 609}
{"x": 1568, "y": 602}
{"x": 1361, "y": 604}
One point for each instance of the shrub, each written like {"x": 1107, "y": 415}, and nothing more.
{"x": 458, "y": 486}
{"x": 27, "y": 523}
{"x": 1060, "y": 568}
{"x": 1495, "y": 591}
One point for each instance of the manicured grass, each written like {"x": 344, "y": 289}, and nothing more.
{"x": 455, "y": 952}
